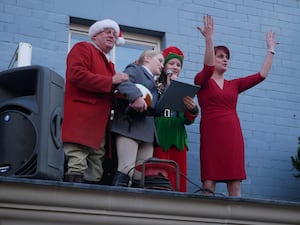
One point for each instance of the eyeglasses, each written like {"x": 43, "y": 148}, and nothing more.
{"x": 110, "y": 31}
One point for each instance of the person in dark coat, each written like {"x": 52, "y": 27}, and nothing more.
{"x": 133, "y": 123}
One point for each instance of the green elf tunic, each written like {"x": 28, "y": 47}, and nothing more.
{"x": 173, "y": 140}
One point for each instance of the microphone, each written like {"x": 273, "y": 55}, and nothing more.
{"x": 169, "y": 72}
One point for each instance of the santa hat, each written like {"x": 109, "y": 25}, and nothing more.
{"x": 120, "y": 40}
{"x": 100, "y": 25}
{"x": 173, "y": 52}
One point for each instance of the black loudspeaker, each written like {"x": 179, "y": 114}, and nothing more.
{"x": 31, "y": 113}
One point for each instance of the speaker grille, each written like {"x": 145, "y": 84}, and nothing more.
{"x": 28, "y": 168}
{"x": 18, "y": 142}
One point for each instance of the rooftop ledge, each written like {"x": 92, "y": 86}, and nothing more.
{"x": 32, "y": 201}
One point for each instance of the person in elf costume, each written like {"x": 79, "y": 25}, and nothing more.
{"x": 170, "y": 125}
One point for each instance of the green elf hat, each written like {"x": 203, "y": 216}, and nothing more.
{"x": 173, "y": 52}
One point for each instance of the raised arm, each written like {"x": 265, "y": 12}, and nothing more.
{"x": 209, "y": 54}
{"x": 207, "y": 32}
{"x": 271, "y": 45}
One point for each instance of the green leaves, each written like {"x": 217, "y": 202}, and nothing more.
{"x": 296, "y": 160}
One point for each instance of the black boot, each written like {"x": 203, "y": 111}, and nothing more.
{"x": 75, "y": 178}
{"x": 120, "y": 179}
{"x": 136, "y": 183}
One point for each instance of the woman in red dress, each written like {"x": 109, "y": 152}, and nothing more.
{"x": 221, "y": 138}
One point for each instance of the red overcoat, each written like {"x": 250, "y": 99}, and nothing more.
{"x": 88, "y": 95}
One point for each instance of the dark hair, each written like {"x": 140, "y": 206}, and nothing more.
{"x": 163, "y": 79}
{"x": 224, "y": 48}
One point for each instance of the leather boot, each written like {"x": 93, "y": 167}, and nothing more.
{"x": 136, "y": 183}
{"x": 120, "y": 179}
{"x": 75, "y": 178}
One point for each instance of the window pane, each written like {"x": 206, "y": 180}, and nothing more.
{"x": 128, "y": 53}
{"x": 77, "y": 37}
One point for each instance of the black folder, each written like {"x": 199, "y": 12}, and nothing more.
{"x": 172, "y": 97}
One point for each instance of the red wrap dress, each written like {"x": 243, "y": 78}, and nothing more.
{"x": 221, "y": 138}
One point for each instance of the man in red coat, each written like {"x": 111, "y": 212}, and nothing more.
{"x": 90, "y": 81}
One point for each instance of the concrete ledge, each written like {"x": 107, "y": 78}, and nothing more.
{"x": 27, "y": 201}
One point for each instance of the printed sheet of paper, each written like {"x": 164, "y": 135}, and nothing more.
{"x": 173, "y": 96}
